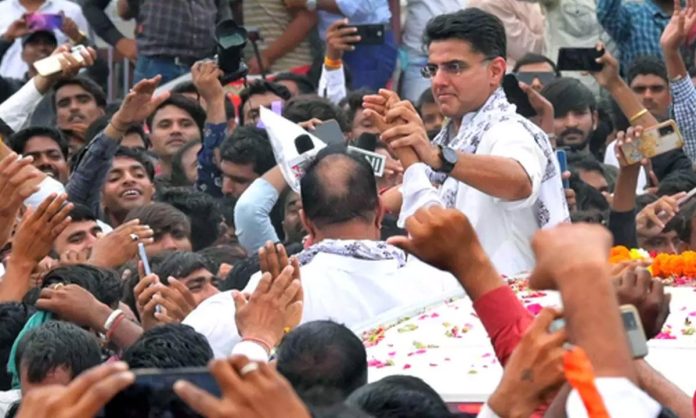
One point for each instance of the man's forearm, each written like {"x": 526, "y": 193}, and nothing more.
{"x": 329, "y": 6}
{"x": 16, "y": 282}
{"x": 500, "y": 177}
{"x": 625, "y": 190}
{"x": 297, "y": 31}
{"x": 664, "y": 391}
{"x": 630, "y": 105}
{"x": 100, "y": 22}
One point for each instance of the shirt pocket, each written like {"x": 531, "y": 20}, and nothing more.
{"x": 579, "y": 18}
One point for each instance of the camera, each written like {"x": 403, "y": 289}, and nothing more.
{"x": 230, "y": 42}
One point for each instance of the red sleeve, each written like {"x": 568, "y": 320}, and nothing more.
{"x": 504, "y": 318}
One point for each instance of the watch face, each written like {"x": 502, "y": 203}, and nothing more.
{"x": 449, "y": 155}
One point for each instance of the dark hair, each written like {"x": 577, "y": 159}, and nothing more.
{"x": 140, "y": 157}
{"x": 647, "y": 65}
{"x": 261, "y": 87}
{"x": 605, "y": 126}
{"x": 482, "y": 30}
{"x": 230, "y": 111}
{"x": 568, "y": 95}
{"x": 399, "y": 397}
{"x": 688, "y": 213}
{"x": 189, "y": 106}
{"x": 163, "y": 218}
{"x": 240, "y": 275}
{"x": 586, "y": 196}
{"x": 330, "y": 185}
{"x": 81, "y": 213}
{"x": 18, "y": 141}
{"x": 227, "y": 253}
{"x": 104, "y": 284}
{"x": 354, "y": 102}
{"x": 677, "y": 181}
{"x": 325, "y": 354}
{"x": 303, "y": 108}
{"x": 138, "y": 129}
{"x": 178, "y": 177}
{"x": 13, "y": 317}
{"x": 304, "y": 84}
{"x": 180, "y": 264}
{"x": 532, "y": 58}
{"x": 87, "y": 84}
{"x": 249, "y": 145}
{"x": 169, "y": 346}
{"x": 578, "y": 161}
{"x": 184, "y": 87}
{"x": 203, "y": 212}
{"x": 57, "y": 344}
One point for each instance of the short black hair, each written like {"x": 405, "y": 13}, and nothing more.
{"x": 178, "y": 177}
{"x": 261, "y": 87}
{"x": 180, "y": 264}
{"x": 81, "y": 213}
{"x": 354, "y": 102}
{"x": 225, "y": 253}
{"x": 105, "y": 284}
{"x": 482, "y": 30}
{"x": 330, "y": 185}
{"x": 569, "y": 95}
{"x": 138, "y": 129}
{"x": 303, "y": 108}
{"x": 87, "y": 84}
{"x": 189, "y": 106}
{"x": 203, "y": 211}
{"x": 688, "y": 213}
{"x": 304, "y": 84}
{"x": 532, "y": 58}
{"x": 13, "y": 317}
{"x": 137, "y": 155}
{"x": 184, "y": 87}
{"x": 400, "y": 397}
{"x": 18, "y": 141}
{"x": 323, "y": 354}
{"x": 239, "y": 277}
{"x": 249, "y": 145}
{"x": 647, "y": 65}
{"x": 677, "y": 181}
{"x": 169, "y": 346}
{"x": 579, "y": 161}
{"x": 162, "y": 218}
{"x": 57, "y": 344}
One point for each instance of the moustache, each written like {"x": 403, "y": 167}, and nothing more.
{"x": 571, "y": 131}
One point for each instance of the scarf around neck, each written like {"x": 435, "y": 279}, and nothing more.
{"x": 359, "y": 249}
{"x": 550, "y": 207}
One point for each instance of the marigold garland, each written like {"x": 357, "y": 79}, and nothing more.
{"x": 663, "y": 265}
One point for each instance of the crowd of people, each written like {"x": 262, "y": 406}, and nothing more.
{"x": 160, "y": 231}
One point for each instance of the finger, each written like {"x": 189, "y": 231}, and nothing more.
{"x": 173, "y": 309}
{"x": 289, "y": 293}
{"x": 126, "y": 226}
{"x": 272, "y": 259}
{"x": 41, "y": 209}
{"x": 296, "y": 265}
{"x": 198, "y": 399}
{"x": 403, "y": 242}
{"x": 102, "y": 392}
{"x": 184, "y": 291}
{"x": 58, "y": 229}
{"x": 228, "y": 379}
{"x": 84, "y": 381}
{"x": 281, "y": 282}
{"x": 239, "y": 300}
{"x": 263, "y": 259}
{"x": 144, "y": 283}
{"x": 264, "y": 285}
{"x": 543, "y": 320}
{"x": 282, "y": 256}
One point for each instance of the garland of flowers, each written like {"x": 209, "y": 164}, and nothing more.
{"x": 676, "y": 267}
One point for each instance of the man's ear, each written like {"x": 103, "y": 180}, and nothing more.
{"x": 308, "y": 225}
{"x": 380, "y": 214}
{"x": 497, "y": 69}
{"x": 595, "y": 119}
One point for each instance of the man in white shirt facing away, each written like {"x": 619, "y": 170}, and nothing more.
{"x": 489, "y": 162}
{"x": 348, "y": 275}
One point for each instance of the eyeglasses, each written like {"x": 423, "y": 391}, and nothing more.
{"x": 528, "y": 77}
{"x": 450, "y": 68}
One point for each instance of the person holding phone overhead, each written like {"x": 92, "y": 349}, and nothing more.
{"x": 64, "y": 18}
{"x": 370, "y": 65}
{"x": 490, "y": 163}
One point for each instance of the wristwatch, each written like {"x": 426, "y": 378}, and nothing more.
{"x": 311, "y": 5}
{"x": 448, "y": 159}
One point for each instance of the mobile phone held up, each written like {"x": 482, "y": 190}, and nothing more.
{"x": 51, "y": 65}
{"x": 44, "y": 21}
{"x": 657, "y": 140}
{"x": 516, "y": 96}
{"x": 370, "y": 34}
{"x": 579, "y": 59}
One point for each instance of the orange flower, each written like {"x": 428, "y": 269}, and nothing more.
{"x": 619, "y": 254}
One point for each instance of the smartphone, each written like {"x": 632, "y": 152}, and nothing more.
{"x": 330, "y": 132}
{"x": 688, "y": 197}
{"x": 654, "y": 141}
{"x": 143, "y": 257}
{"x": 579, "y": 59}
{"x": 370, "y": 34}
{"x": 516, "y": 96}
{"x": 51, "y": 65}
{"x": 44, "y": 21}
{"x": 562, "y": 158}
{"x": 634, "y": 331}
{"x": 152, "y": 394}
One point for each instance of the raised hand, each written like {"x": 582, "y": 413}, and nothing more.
{"x": 654, "y": 217}
{"x": 637, "y": 287}
{"x": 74, "y": 304}
{"x": 39, "y": 228}
{"x": 206, "y": 77}
{"x": 340, "y": 38}
{"x": 249, "y": 390}
{"x": 138, "y": 104}
{"x": 609, "y": 75}
{"x": 679, "y": 26}
{"x": 19, "y": 179}
{"x": 175, "y": 300}
{"x": 17, "y": 29}
{"x": 121, "y": 245}
{"x": 83, "y": 397}
{"x": 70, "y": 66}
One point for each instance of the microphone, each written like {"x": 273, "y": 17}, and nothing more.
{"x": 303, "y": 143}
{"x": 366, "y": 141}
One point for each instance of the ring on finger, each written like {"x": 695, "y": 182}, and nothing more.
{"x": 248, "y": 368}
{"x": 134, "y": 237}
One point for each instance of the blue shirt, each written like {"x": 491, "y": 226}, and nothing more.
{"x": 358, "y": 12}
{"x": 684, "y": 102}
{"x": 209, "y": 175}
{"x": 635, "y": 27}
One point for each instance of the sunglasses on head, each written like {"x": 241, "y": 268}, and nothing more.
{"x": 544, "y": 77}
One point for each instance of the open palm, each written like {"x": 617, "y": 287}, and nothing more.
{"x": 679, "y": 26}
{"x": 139, "y": 103}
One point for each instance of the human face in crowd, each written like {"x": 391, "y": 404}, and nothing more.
{"x": 75, "y": 105}
{"x": 189, "y": 161}
{"x": 201, "y": 283}
{"x": 78, "y": 236}
{"x": 48, "y": 157}
{"x": 432, "y": 117}
{"x": 292, "y": 221}
{"x": 37, "y": 48}
{"x": 172, "y": 127}
{"x": 665, "y": 242}
{"x": 540, "y": 68}
{"x": 127, "y": 186}
{"x": 175, "y": 239}
{"x": 574, "y": 128}
{"x": 251, "y": 106}
{"x": 133, "y": 140}
{"x": 464, "y": 79}
{"x": 654, "y": 93}
{"x": 236, "y": 178}
{"x": 594, "y": 179}
{"x": 361, "y": 124}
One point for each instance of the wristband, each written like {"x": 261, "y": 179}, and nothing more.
{"x": 332, "y": 64}
{"x": 112, "y": 317}
{"x": 115, "y": 325}
{"x": 637, "y": 116}
{"x": 266, "y": 346}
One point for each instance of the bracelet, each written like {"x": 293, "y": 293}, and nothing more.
{"x": 637, "y": 116}
{"x": 112, "y": 317}
{"x": 332, "y": 64}
{"x": 266, "y": 346}
{"x": 115, "y": 325}
{"x": 119, "y": 130}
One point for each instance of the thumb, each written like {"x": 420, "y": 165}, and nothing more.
{"x": 239, "y": 300}
{"x": 403, "y": 242}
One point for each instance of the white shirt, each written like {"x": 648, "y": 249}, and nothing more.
{"x": 19, "y": 107}
{"x": 344, "y": 289}
{"x": 610, "y": 159}
{"x": 504, "y": 228}
{"x": 7, "y": 399}
{"x": 11, "y": 10}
